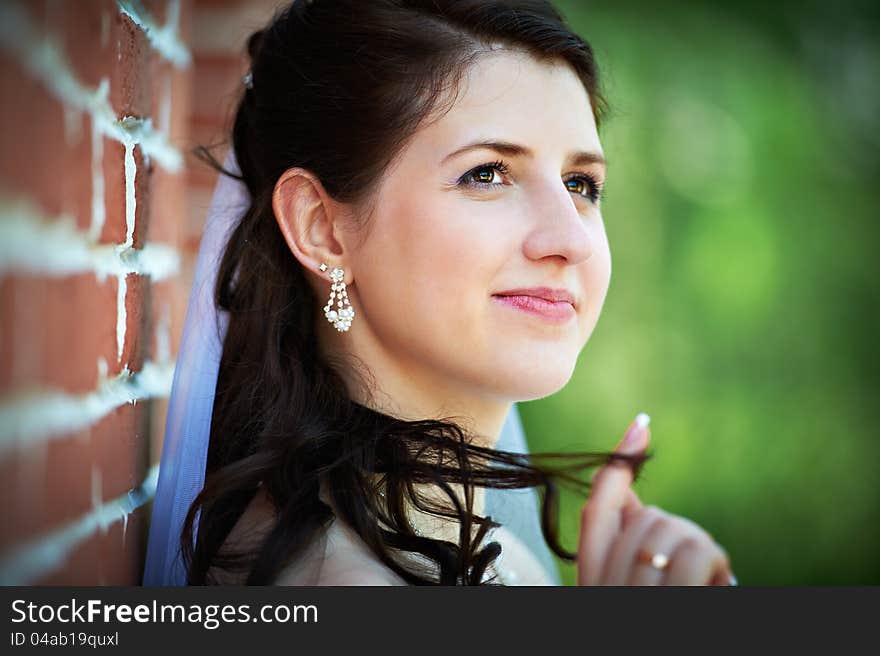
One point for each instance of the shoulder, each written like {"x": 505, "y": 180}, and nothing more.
{"x": 518, "y": 564}
{"x": 344, "y": 574}
{"x": 336, "y": 557}
{"x": 338, "y": 571}
{"x": 343, "y": 559}
{"x": 249, "y": 531}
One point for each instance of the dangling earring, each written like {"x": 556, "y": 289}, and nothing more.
{"x": 342, "y": 316}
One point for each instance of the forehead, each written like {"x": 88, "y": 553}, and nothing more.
{"x": 512, "y": 96}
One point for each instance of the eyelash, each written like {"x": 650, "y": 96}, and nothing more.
{"x": 594, "y": 186}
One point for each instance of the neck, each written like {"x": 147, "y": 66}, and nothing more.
{"x": 413, "y": 391}
{"x": 442, "y": 528}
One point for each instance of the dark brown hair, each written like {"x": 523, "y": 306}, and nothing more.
{"x": 338, "y": 87}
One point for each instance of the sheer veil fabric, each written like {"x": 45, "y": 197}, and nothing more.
{"x": 188, "y": 424}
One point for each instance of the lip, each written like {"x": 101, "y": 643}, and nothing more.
{"x": 547, "y": 293}
{"x": 556, "y": 310}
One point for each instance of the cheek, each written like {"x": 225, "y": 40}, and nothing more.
{"x": 599, "y": 265}
{"x": 430, "y": 265}
{"x": 595, "y": 275}
{"x": 447, "y": 251}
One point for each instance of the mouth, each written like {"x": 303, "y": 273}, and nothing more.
{"x": 547, "y": 293}
{"x": 553, "y": 311}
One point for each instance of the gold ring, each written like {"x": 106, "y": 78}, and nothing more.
{"x": 658, "y": 561}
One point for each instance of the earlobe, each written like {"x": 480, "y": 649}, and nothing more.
{"x": 305, "y": 217}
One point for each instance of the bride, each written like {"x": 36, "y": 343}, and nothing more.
{"x": 422, "y": 246}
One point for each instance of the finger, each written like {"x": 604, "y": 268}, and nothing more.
{"x": 697, "y": 562}
{"x": 602, "y": 514}
{"x": 632, "y": 507}
{"x": 661, "y": 539}
{"x": 702, "y": 535}
{"x": 611, "y": 482}
{"x": 723, "y": 577}
{"x": 623, "y": 553}
{"x": 675, "y": 533}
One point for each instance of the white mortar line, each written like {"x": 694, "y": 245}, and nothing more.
{"x": 130, "y": 214}
{"x": 121, "y": 315}
{"x": 130, "y": 196}
{"x": 44, "y": 59}
{"x": 32, "y": 242}
{"x": 34, "y": 559}
{"x": 73, "y": 118}
{"x": 163, "y": 38}
{"x": 99, "y": 208}
{"x": 32, "y": 417}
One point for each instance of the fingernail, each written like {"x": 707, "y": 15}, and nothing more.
{"x": 632, "y": 435}
{"x": 732, "y": 580}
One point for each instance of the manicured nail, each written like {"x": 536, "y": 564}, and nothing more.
{"x": 733, "y": 580}
{"x": 632, "y": 436}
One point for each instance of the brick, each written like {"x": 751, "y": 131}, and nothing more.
{"x": 62, "y": 326}
{"x": 85, "y": 31}
{"x": 167, "y": 191}
{"x": 38, "y": 133}
{"x": 169, "y": 297}
{"x": 167, "y": 197}
{"x": 76, "y": 182}
{"x": 157, "y": 9}
{"x": 60, "y": 466}
{"x": 220, "y": 27}
{"x": 200, "y": 174}
{"x": 7, "y": 335}
{"x": 49, "y": 483}
{"x": 111, "y": 558}
{"x": 217, "y": 87}
{"x": 136, "y": 310}
{"x": 120, "y": 450}
{"x": 171, "y": 99}
{"x": 196, "y": 215}
{"x": 129, "y": 84}
{"x": 159, "y": 416}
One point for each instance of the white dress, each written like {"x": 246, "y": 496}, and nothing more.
{"x": 343, "y": 551}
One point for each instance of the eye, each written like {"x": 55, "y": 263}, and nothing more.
{"x": 589, "y": 187}
{"x": 484, "y": 175}
{"x": 585, "y": 185}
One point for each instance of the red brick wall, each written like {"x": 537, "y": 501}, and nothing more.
{"x": 99, "y": 229}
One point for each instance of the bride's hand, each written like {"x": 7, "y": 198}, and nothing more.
{"x": 616, "y": 528}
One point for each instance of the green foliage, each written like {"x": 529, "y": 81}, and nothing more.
{"x": 742, "y": 313}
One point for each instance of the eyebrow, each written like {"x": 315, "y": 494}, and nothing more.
{"x": 577, "y": 158}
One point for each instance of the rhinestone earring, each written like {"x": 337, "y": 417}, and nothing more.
{"x": 342, "y": 316}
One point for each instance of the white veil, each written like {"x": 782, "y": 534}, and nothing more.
{"x": 188, "y": 425}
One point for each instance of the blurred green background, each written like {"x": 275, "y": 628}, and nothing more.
{"x": 742, "y": 216}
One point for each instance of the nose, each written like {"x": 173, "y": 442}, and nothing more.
{"x": 560, "y": 230}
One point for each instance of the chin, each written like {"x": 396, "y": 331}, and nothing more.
{"x": 538, "y": 380}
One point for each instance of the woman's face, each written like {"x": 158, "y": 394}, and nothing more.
{"x": 450, "y": 232}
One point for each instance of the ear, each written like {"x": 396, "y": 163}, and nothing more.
{"x": 307, "y": 217}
